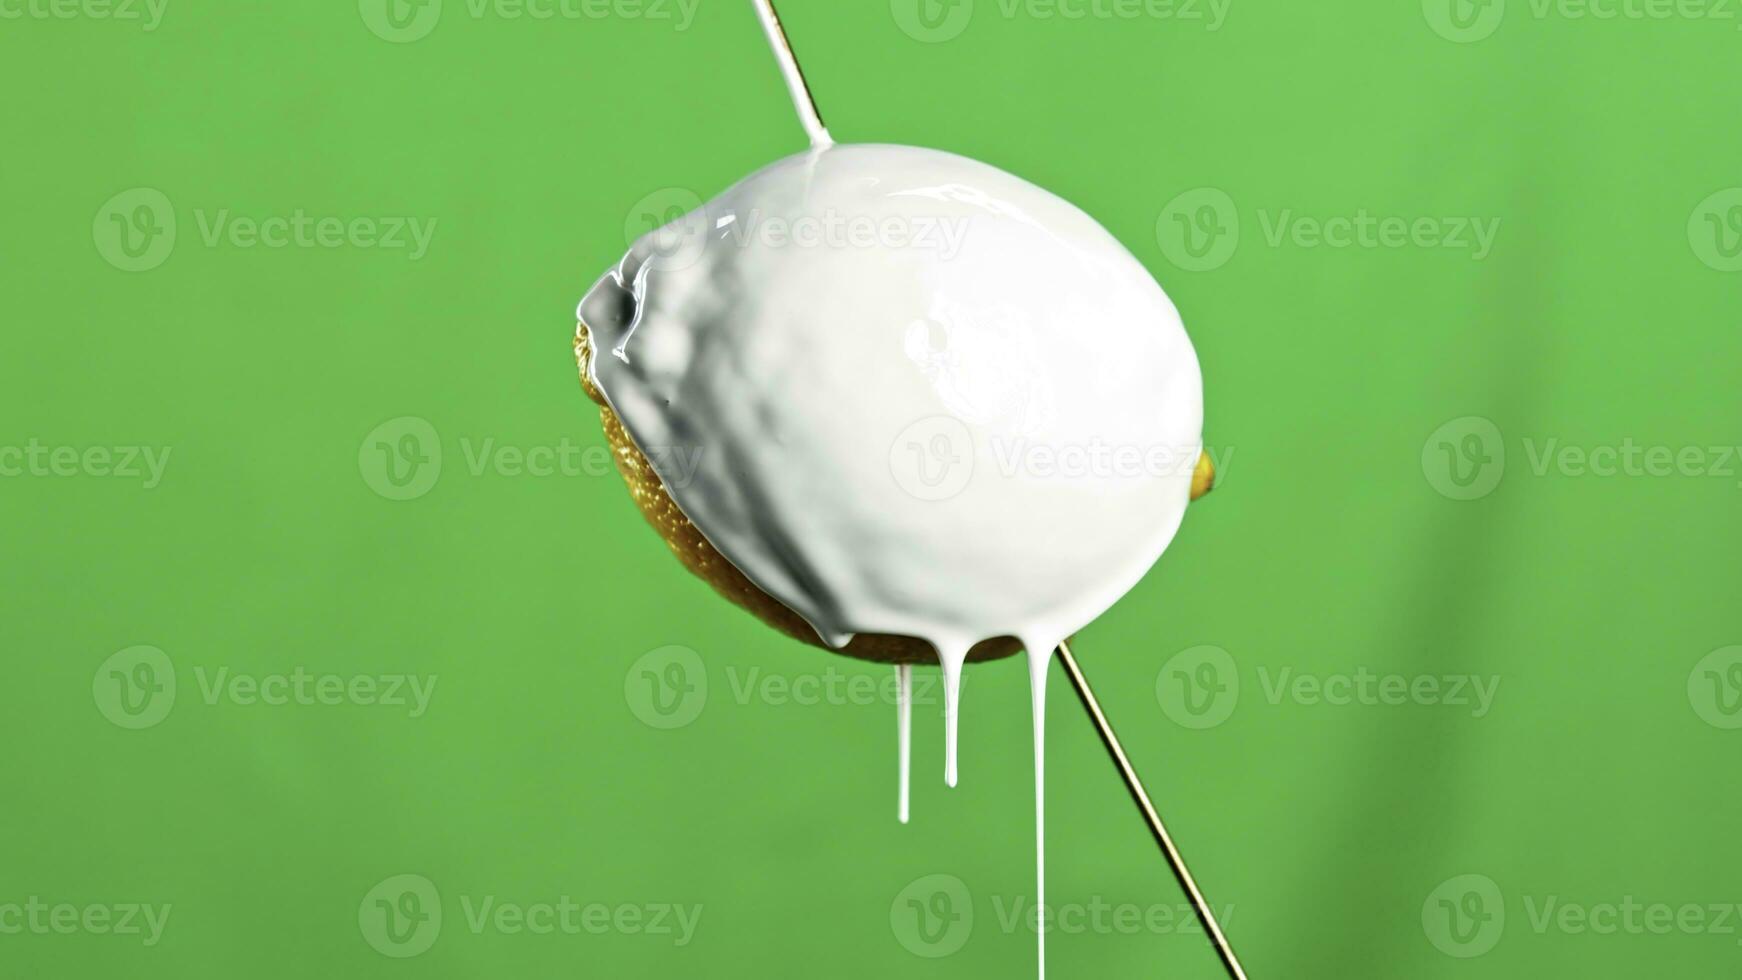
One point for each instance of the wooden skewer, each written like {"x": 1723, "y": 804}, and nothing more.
{"x": 802, "y": 100}
{"x": 812, "y": 120}
{"x": 1174, "y": 861}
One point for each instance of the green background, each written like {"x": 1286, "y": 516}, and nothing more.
{"x": 1606, "y": 314}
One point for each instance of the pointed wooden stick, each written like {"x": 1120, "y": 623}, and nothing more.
{"x": 802, "y": 100}
{"x": 1174, "y": 861}
{"x": 812, "y": 120}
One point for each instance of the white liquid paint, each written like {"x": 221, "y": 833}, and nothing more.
{"x": 1039, "y": 658}
{"x": 951, "y": 660}
{"x": 904, "y": 736}
{"x": 966, "y": 412}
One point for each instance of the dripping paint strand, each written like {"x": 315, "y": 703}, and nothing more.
{"x": 904, "y": 735}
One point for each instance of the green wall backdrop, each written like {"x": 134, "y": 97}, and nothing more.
{"x": 1444, "y": 680}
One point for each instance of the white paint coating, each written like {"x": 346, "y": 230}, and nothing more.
{"x": 894, "y": 434}
{"x": 919, "y": 395}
